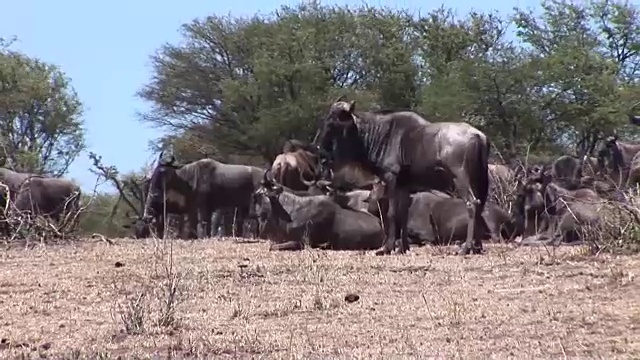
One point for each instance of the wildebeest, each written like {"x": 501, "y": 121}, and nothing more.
{"x": 437, "y": 218}
{"x": 619, "y": 155}
{"x": 291, "y": 168}
{"x": 298, "y": 168}
{"x": 287, "y": 218}
{"x": 561, "y": 213}
{"x": 43, "y": 196}
{"x": 174, "y": 205}
{"x": 410, "y": 154}
{"x": 203, "y": 186}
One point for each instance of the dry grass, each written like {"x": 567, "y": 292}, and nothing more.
{"x": 241, "y": 301}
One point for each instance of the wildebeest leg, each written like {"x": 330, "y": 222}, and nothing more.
{"x": 159, "y": 226}
{"x": 241, "y": 215}
{"x": 205, "y": 220}
{"x": 192, "y": 230}
{"x": 402, "y": 214}
{"x": 215, "y": 222}
{"x": 474, "y": 226}
{"x": 391, "y": 229}
{"x": 180, "y": 226}
{"x": 227, "y": 222}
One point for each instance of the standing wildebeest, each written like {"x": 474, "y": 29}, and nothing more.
{"x": 410, "y": 154}
{"x": 285, "y": 218}
{"x": 175, "y": 205}
{"x": 204, "y": 186}
{"x": 41, "y": 195}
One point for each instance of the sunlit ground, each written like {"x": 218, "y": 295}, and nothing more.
{"x": 238, "y": 300}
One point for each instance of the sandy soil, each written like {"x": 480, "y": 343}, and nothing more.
{"x": 238, "y": 300}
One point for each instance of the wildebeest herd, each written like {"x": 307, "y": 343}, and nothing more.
{"x": 382, "y": 180}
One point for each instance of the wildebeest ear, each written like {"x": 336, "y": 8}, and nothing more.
{"x": 352, "y": 106}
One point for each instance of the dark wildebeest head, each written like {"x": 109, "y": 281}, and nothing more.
{"x": 529, "y": 208}
{"x": 410, "y": 154}
{"x": 165, "y": 184}
{"x": 340, "y": 134}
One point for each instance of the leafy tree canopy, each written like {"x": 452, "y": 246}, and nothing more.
{"x": 41, "y": 128}
{"x": 241, "y": 86}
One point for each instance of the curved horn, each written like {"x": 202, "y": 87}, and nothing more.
{"x": 315, "y": 138}
{"x": 267, "y": 177}
{"x": 324, "y": 183}
{"x": 306, "y": 182}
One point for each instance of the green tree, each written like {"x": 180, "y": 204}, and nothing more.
{"x": 586, "y": 71}
{"x": 236, "y": 88}
{"x": 247, "y": 84}
{"x": 40, "y": 116}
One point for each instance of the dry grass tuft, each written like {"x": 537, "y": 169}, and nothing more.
{"x": 241, "y": 301}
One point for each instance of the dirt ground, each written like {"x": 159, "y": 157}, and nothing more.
{"x": 238, "y": 300}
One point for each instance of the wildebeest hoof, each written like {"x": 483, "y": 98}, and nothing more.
{"x": 382, "y": 251}
{"x": 400, "y": 251}
{"x": 464, "y": 251}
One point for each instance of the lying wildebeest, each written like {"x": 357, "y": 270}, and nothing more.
{"x": 410, "y": 154}
{"x": 42, "y": 196}
{"x": 437, "y": 218}
{"x": 204, "y": 186}
{"x": 286, "y": 218}
{"x": 349, "y": 175}
{"x": 561, "y": 213}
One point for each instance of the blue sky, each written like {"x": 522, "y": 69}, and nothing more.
{"x": 104, "y": 48}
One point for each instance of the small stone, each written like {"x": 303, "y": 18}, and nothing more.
{"x": 352, "y": 298}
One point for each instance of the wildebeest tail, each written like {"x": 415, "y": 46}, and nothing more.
{"x": 476, "y": 162}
